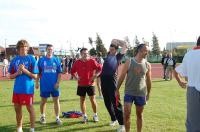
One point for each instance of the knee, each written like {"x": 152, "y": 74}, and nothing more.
{"x": 139, "y": 116}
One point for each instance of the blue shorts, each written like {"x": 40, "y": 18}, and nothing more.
{"x": 54, "y": 93}
{"x": 138, "y": 100}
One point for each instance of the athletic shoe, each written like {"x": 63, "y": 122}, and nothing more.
{"x": 58, "y": 121}
{"x": 42, "y": 120}
{"x": 121, "y": 128}
{"x": 95, "y": 118}
{"x": 85, "y": 119}
{"x": 113, "y": 123}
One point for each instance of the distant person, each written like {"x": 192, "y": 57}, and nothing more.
{"x": 23, "y": 68}
{"x": 189, "y": 68}
{"x": 5, "y": 66}
{"x": 137, "y": 86}
{"x": 100, "y": 60}
{"x": 163, "y": 62}
{"x": 50, "y": 75}
{"x": 170, "y": 66}
{"x": 108, "y": 82}
{"x": 86, "y": 70}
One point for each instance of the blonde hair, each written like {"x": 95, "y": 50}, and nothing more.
{"x": 22, "y": 43}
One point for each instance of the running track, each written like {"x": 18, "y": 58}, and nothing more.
{"x": 157, "y": 72}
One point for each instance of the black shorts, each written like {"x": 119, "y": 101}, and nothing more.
{"x": 82, "y": 90}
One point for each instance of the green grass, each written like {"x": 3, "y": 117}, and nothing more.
{"x": 165, "y": 111}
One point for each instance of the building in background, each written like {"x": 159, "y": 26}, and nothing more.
{"x": 172, "y": 45}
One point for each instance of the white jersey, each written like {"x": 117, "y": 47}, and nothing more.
{"x": 190, "y": 68}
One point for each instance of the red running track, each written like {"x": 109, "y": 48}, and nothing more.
{"x": 157, "y": 72}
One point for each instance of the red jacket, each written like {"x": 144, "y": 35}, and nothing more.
{"x": 85, "y": 70}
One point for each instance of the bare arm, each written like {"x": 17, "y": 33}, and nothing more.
{"x": 148, "y": 81}
{"x": 122, "y": 76}
{"x": 13, "y": 76}
{"x": 179, "y": 80}
{"x": 58, "y": 81}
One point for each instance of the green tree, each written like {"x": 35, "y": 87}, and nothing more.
{"x": 129, "y": 47}
{"x": 128, "y": 42}
{"x": 100, "y": 46}
{"x": 155, "y": 46}
{"x": 136, "y": 41}
{"x": 92, "y": 52}
{"x": 90, "y": 41}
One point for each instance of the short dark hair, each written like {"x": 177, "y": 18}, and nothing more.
{"x": 198, "y": 41}
{"x": 49, "y": 45}
{"x": 83, "y": 49}
{"x": 138, "y": 48}
{"x": 115, "y": 46}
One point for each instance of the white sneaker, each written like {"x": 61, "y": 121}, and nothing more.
{"x": 95, "y": 118}
{"x": 85, "y": 119}
{"x": 121, "y": 128}
{"x": 42, "y": 120}
{"x": 113, "y": 123}
{"x": 58, "y": 121}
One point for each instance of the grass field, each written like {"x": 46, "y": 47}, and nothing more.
{"x": 165, "y": 111}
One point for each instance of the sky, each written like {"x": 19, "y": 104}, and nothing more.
{"x": 69, "y": 23}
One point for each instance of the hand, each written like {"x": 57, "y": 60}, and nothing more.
{"x": 56, "y": 86}
{"x": 77, "y": 78}
{"x": 21, "y": 67}
{"x": 115, "y": 42}
{"x": 147, "y": 97}
{"x": 93, "y": 78}
{"x": 117, "y": 93}
{"x": 36, "y": 85}
{"x": 19, "y": 72}
{"x": 182, "y": 84}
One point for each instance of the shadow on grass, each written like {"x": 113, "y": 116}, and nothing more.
{"x": 10, "y": 105}
{"x": 88, "y": 128}
{"x": 49, "y": 101}
{"x": 12, "y": 128}
{"x": 66, "y": 125}
{"x": 65, "y": 100}
{"x": 157, "y": 81}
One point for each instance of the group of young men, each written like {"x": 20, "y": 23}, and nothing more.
{"x": 24, "y": 69}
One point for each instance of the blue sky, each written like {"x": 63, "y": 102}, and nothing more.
{"x": 62, "y": 22}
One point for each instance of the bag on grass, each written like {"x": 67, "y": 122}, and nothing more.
{"x": 72, "y": 114}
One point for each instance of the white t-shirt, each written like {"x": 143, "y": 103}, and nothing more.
{"x": 170, "y": 62}
{"x": 5, "y": 62}
{"x": 190, "y": 68}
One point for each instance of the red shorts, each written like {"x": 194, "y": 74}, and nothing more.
{"x": 22, "y": 99}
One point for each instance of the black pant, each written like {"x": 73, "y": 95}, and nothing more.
{"x": 108, "y": 87}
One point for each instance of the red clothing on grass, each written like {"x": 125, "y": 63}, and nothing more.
{"x": 85, "y": 70}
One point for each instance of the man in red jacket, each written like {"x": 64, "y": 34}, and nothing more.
{"x": 85, "y": 70}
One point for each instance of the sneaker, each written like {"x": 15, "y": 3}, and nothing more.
{"x": 85, "y": 119}
{"x": 58, "y": 121}
{"x": 121, "y": 128}
{"x": 42, "y": 120}
{"x": 95, "y": 118}
{"x": 113, "y": 123}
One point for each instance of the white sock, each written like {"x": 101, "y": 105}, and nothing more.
{"x": 57, "y": 117}
{"x": 19, "y": 129}
{"x": 42, "y": 115}
{"x": 85, "y": 115}
{"x": 32, "y": 129}
{"x": 95, "y": 114}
